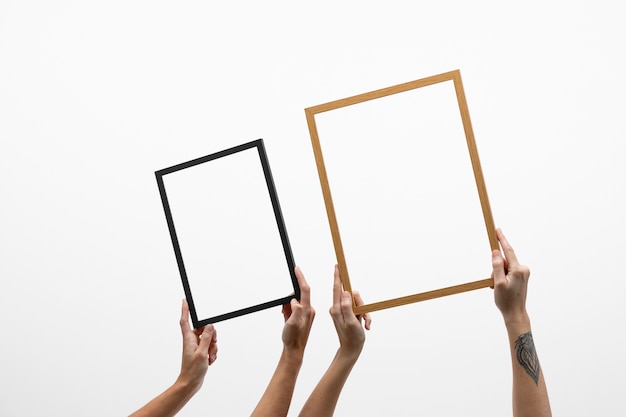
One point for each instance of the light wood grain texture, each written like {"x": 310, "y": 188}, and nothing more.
{"x": 328, "y": 201}
{"x": 473, "y": 151}
{"x": 310, "y": 112}
{"x": 428, "y": 295}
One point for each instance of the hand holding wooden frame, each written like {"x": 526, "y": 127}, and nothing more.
{"x": 310, "y": 112}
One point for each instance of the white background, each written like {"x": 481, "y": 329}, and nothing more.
{"x": 96, "y": 96}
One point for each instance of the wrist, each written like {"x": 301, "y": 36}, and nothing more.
{"x": 518, "y": 321}
{"x": 294, "y": 356}
{"x": 187, "y": 386}
{"x": 348, "y": 355}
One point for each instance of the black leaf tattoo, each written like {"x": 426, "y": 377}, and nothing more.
{"x": 527, "y": 356}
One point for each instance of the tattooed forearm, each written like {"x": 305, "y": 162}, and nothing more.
{"x": 527, "y": 355}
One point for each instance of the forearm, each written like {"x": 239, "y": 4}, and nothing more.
{"x": 169, "y": 402}
{"x": 324, "y": 397}
{"x": 530, "y": 396}
{"x": 276, "y": 399}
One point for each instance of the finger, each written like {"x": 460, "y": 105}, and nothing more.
{"x": 198, "y": 332}
{"x": 359, "y": 302}
{"x": 297, "y": 311}
{"x": 190, "y": 336}
{"x": 499, "y": 276}
{"x": 367, "y": 319}
{"x": 184, "y": 318}
{"x": 214, "y": 338}
{"x": 337, "y": 287}
{"x": 213, "y": 348}
{"x": 294, "y": 307}
{"x": 206, "y": 338}
{"x": 287, "y": 309}
{"x": 305, "y": 290}
{"x": 509, "y": 253}
{"x": 346, "y": 307}
{"x": 208, "y": 343}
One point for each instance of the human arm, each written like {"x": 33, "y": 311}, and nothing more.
{"x": 199, "y": 351}
{"x": 298, "y": 317}
{"x": 530, "y": 395}
{"x": 323, "y": 399}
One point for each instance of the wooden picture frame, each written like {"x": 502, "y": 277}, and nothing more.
{"x": 211, "y": 242}
{"x": 311, "y": 112}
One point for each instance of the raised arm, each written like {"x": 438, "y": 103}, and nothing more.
{"x": 199, "y": 351}
{"x": 299, "y": 317}
{"x": 323, "y": 399}
{"x": 530, "y": 395}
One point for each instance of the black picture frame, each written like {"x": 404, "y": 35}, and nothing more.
{"x": 290, "y": 263}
